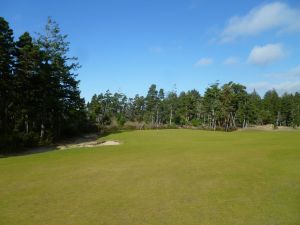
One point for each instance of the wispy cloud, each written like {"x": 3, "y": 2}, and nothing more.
{"x": 175, "y": 48}
{"x": 193, "y": 4}
{"x": 204, "y": 62}
{"x": 272, "y": 16}
{"x": 231, "y": 61}
{"x": 266, "y": 54}
{"x": 288, "y": 86}
{"x": 156, "y": 49}
{"x": 292, "y": 73}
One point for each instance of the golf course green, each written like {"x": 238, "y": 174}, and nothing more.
{"x": 158, "y": 177}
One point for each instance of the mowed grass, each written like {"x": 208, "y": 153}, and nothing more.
{"x": 158, "y": 177}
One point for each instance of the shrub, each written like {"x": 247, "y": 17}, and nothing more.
{"x": 30, "y": 139}
{"x": 121, "y": 121}
{"x": 195, "y": 122}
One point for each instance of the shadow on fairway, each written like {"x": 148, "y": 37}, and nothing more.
{"x": 55, "y": 146}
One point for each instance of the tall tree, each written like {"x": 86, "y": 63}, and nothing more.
{"x": 287, "y": 110}
{"x": 27, "y": 83}
{"x": 160, "y": 107}
{"x": 152, "y": 103}
{"x": 254, "y": 108}
{"x": 7, "y": 59}
{"x": 171, "y": 103}
{"x": 271, "y": 103}
{"x": 139, "y": 107}
{"x": 62, "y": 106}
{"x": 212, "y": 104}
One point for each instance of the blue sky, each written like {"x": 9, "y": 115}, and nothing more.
{"x": 128, "y": 45}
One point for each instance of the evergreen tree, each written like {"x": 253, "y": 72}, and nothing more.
{"x": 271, "y": 103}
{"x": 160, "y": 107}
{"x": 286, "y": 108}
{"x": 212, "y": 105}
{"x": 62, "y": 108}
{"x": 7, "y": 60}
{"x": 151, "y": 103}
{"x": 139, "y": 108}
{"x": 254, "y": 108}
{"x": 227, "y": 108}
{"x": 171, "y": 106}
{"x": 27, "y": 84}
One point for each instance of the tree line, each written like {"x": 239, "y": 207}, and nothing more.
{"x": 40, "y": 99}
{"x": 225, "y": 107}
{"x": 39, "y": 95}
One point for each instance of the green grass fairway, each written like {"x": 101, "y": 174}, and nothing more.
{"x": 158, "y": 177}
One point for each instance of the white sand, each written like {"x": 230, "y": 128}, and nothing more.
{"x": 88, "y": 144}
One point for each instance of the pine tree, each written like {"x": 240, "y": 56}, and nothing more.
{"x": 7, "y": 58}
{"x": 254, "y": 109}
{"x": 271, "y": 104}
{"x": 152, "y": 103}
{"x": 62, "y": 107}
{"x": 27, "y": 83}
{"x": 171, "y": 103}
{"x": 212, "y": 105}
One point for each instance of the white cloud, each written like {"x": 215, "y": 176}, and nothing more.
{"x": 273, "y": 16}
{"x": 231, "y": 61}
{"x": 156, "y": 49}
{"x": 292, "y": 73}
{"x": 204, "y": 62}
{"x": 288, "y": 86}
{"x": 263, "y": 55}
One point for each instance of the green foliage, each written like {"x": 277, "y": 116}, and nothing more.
{"x": 121, "y": 120}
{"x": 39, "y": 95}
{"x": 221, "y": 108}
{"x": 7, "y": 62}
{"x": 30, "y": 139}
{"x": 195, "y": 122}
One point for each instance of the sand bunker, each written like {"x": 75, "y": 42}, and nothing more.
{"x": 88, "y": 144}
{"x": 269, "y": 127}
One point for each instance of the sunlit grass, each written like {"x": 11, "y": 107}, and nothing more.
{"x": 162, "y": 177}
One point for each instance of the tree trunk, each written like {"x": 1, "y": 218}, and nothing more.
{"x": 277, "y": 119}
{"x": 213, "y": 120}
{"x": 157, "y": 117}
{"x": 152, "y": 120}
{"x": 244, "y": 123}
{"x": 171, "y": 115}
{"x": 233, "y": 120}
{"x": 42, "y": 131}
{"x": 26, "y": 127}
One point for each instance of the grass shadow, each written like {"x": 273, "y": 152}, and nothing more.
{"x": 63, "y": 142}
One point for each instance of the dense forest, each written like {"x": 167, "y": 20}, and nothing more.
{"x": 39, "y": 95}
{"x": 225, "y": 107}
{"x": 40, "y": 98}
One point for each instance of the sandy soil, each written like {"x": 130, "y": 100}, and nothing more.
{"x": 270, "y": 127}
{"x": 86, "y": 141}
{"x": 87, "y": 144}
